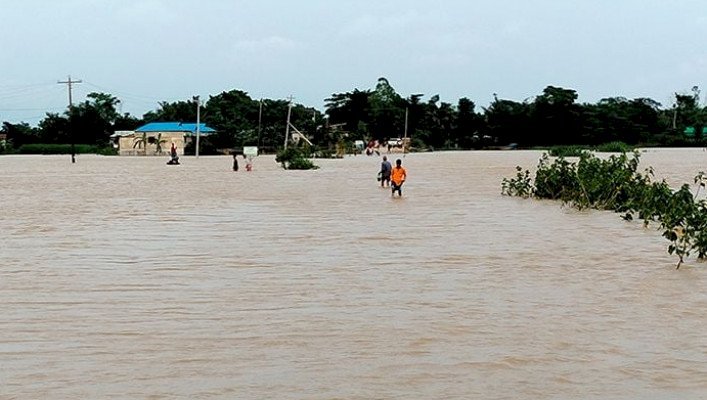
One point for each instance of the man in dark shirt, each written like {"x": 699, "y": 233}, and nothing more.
{"x": 385, "y": 172}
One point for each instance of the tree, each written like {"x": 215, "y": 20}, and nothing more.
{"x": 104, "y": 104}
{"x": 387, "y": 111}
{"x": 158, "y": 143}
{"x": 19, "y": 134}
{"x": 555, "y": 116}
{"x": 140, "y": 142}
{"x": 54, "y": 128}
{"x": 352, "y": 109}
{"x": 179, "y": 111}
{"x": 468, "y": 124}
{"x": 508, "y": 121}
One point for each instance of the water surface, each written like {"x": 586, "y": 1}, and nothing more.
{"x": 121, "y": 277}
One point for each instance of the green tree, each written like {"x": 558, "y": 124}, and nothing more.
{"x": 140, "y": 143}
{"x": 509, "y": 121}
{"x": 468, "y": 124}
{"x": 387, "y": 111}
{"x": 555, "y": 116}
{"x": 351, "y": 109}
{"x": 19, "y": 134}
{"x": 179, "y": 111}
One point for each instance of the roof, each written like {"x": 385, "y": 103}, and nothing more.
{"x": 122, "y": 133}
{"x": 175, "y": 127}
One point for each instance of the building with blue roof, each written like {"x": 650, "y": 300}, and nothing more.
{"x": 164, "y": 127}
{"x": 156, "y": 138}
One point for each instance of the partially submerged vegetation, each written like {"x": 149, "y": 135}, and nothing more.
{"x": 295, "y": 158}
{"x": 578, "y": 150}
{"x": 616, "y": 184}
{"x": 43, "y": 148}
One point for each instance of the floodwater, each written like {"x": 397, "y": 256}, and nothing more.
{"x": 125, "y": 278}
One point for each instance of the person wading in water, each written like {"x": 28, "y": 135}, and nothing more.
{"x": 385, "y": 172}
{"x": 397, "y": 178}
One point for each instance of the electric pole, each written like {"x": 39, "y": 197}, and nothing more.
{"x": 287, "y": 127}
{"x": 198, "y": 123}
{"x": 68, "y": 83}
{"x": 260, "y": 120}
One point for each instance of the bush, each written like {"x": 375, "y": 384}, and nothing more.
{"x": 294, "y": 158}
{"x": 107, "y": 151}
{"x": 614, "y": 147}
{"x": 40, "y": 148}
{"x": 6, "y": 147}
{"x": 614, "y": 184}
{"x": 567, "y": 151}
{"x": 206, "y": 148}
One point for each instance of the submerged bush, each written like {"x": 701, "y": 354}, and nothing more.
{"x": 615, "y": 184}
{"x": 614, "y": 147}
{"x": 294, "y": 158}
{"x": 40, "y": 148}
{"x": 567, "y": 151}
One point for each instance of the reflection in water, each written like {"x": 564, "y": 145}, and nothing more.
{"x": 127, "y": 278}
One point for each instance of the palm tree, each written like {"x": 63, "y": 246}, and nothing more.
{"x": 158, "y": 143}
{"x": 141, "y": 143}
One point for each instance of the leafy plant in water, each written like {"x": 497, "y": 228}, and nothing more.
{"x": 567, "y": 151}
{"x": 614, "y": 184}
{"x": 521, "y": 185}
{"x": 294, "y": 158}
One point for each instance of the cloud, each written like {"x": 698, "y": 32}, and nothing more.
{"x": 373, "y": 25}
{"x": 271, "y": 43}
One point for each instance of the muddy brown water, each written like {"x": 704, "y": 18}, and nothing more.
{"x": 122, "y": 277}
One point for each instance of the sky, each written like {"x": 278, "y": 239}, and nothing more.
{"x": 147, "y": 51}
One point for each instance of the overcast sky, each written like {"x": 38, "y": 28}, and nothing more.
{"x": 167, "y": 50}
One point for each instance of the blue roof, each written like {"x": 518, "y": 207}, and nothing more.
{"x": 175, "y": 127}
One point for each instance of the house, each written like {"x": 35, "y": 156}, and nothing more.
{"x": 156, "y": 138}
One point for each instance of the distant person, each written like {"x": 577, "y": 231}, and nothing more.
{"x": 235, "y": 162}
{"x": 248, "y": 163}
{"x": 386, "y": 168}
{"x": 397, "y": 177}
{"x": 174, "y": 159}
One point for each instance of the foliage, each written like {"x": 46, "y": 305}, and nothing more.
{"x": 615, "y": 184}
{"x": 614, "y": 147}
{"x": 553, "y": 117}
{"x": 51, "y": 148}
{"x": 567, "y": 150}
{"x": 206, "y": 147}
{"x": 107, "y": 151}
{"x": 295, "y": 158}
{"x": 140, "y": 142}
{"x": 158, "y": 143}
{"x": 5, "y": 147}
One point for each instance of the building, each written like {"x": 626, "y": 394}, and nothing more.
{"x": 156, "y": 138}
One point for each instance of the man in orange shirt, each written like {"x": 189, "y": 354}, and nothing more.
{"x": 397, "y": 177}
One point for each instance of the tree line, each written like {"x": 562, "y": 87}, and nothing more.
{"x": 553, "y": 117}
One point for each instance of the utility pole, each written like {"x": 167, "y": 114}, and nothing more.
{"x": 68, "y": 83}
{"x": 405, "y": 137}
{"x": 260, "y": 119}
{"x": 198, "y": 123}
{"x": 287, "y": 127}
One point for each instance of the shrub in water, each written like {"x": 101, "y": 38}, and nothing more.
{"x": 615, "y": 184}
{"x": 567, "y": 151}
{"x": 614, "y": 147}
{"x": 294, "y": 158}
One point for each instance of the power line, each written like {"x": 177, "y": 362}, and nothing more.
{"x": 126, "y": 94}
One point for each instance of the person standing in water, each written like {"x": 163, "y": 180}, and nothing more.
{"x": 397, "y": 177}
{"x": 235, "y": 162}
{"x": 385, "y": 172}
